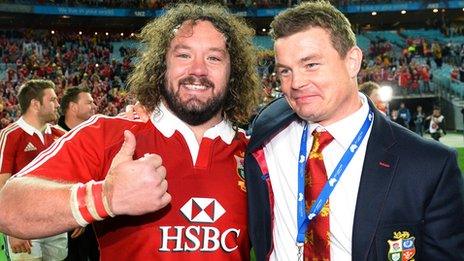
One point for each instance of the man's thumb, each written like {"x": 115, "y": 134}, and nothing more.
{"x": 127, "y": 150}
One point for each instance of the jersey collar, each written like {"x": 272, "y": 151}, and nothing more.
{"x": 29, "y": 129}
{"x": 167, "y": 123}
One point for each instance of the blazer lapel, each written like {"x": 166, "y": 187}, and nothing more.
{"x": 377, "y": 175}
{"x": 268, "y": 122}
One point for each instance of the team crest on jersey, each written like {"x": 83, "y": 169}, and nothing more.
{"x": 240, "y": 170}
{"x": 402, "y": 247}
{"x": 30, "y": 147}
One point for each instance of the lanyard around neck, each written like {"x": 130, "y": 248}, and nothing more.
{"x": 303, "y": 218}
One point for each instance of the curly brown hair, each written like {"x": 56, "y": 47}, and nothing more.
{"x": 149, "y": 73}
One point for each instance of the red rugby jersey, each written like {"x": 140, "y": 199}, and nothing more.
{"x": 20, "y": 143}
{"x": 206, "y": 219}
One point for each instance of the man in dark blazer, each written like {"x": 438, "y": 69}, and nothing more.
{"x": 399, "y": 198}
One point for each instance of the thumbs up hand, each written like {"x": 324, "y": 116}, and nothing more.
{"x": 136, "y": 187}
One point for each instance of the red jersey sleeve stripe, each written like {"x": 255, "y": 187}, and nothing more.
{"x": 55, "y": 147}
{"x": 3, "y": 140}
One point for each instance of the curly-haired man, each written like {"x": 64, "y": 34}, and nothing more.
{"x": 196, "y": 75}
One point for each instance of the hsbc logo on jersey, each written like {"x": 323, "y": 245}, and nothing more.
{"x": 206, "y": 210}
{"x": 199, "y": 237}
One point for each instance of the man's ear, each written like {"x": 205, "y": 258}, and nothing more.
{"x": 353, "y": 61}
{"x": 34, "y": 104}
{"x": 72, "y": 106}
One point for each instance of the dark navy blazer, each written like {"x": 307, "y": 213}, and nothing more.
{"x": 410, "y": 189}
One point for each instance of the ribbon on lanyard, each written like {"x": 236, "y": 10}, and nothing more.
{"x": 303, "y": 218}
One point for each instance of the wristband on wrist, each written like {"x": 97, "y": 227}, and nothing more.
{"x": 100, "y": 200}
{"x": 75, "y": 206}
{"x": 83, "y": 203}
{"x": 91, "y": 202}
{"x": 106, "y": 205}
{"x": 88, "y": 203}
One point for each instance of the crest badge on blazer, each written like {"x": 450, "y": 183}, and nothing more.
{"x": 401, "y": 247}
{"x": 240, "y": 170}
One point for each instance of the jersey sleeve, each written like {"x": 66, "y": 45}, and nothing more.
{"x": 79, "y": 155}
{"x": 7, "y": 150}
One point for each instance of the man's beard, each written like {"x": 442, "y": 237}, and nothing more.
{"x": 48, "y": 117}
{"x": 193, "y": 112}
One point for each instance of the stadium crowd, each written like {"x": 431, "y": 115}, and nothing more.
{"x": 66, "y": 59}
{"x": 406, "y": 68}
{"x": 70, "y": 59}
{"x": 153, "y": 4}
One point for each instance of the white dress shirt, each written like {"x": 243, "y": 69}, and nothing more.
{"x": 281, "y": 154}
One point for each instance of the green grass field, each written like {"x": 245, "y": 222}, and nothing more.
{"x": 461, "y": 158}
